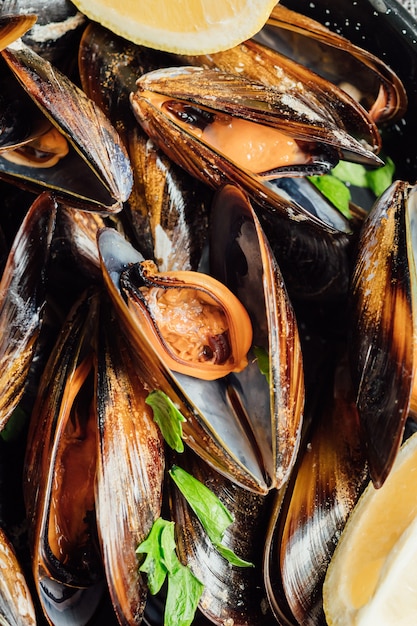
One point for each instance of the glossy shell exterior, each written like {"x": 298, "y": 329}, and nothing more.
{"x": 384, "y": 325}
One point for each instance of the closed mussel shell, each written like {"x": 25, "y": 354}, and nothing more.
{"x": 130, "y": 467}
{"x": 383, "y": 326}
{"x": 311, "y": 511}
{"x": 22, "y": 300}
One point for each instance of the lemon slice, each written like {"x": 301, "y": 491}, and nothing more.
{"x": 371, "y": 577}
{"x": 184, "y": 26}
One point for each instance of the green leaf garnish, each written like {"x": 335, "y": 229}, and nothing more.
{"x": 154, "y": 563}
{"x": 161, "y": 562}
{"x": 262, "y": 358}
{"x": 335, "y": 191}
{"x": 351, "y": 173}
{"x": 184, "y": 593}
{"x": 335, "y": 186}
{"x": 15, "y": 425}
{"x": 380, "y": 179}
{"x": 211, "y": 512}
{"x": 377, "y": 179}
{"x": 168, "y": 418}
{"x": 230, "y": 556}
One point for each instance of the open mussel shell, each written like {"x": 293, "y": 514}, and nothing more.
{"x": 311, "y": 511}
{"x": 96, "y": 172}
{"x": 21, "y": 121}
{"x": 212, "y": 430}
{"x": 368, "y": 78}
{"x": 383, "y": 325}
{"x": 16, "y": 604}
{"x": 130, "y": 467}
{"x": 22, "y": 301}
{"x": 248, "y": 99}
{"x": 299, "y": 87}
{"x": 242, "y": 258}
{"x": 231, "y": 594}
{"x": 219, "y": 412}
{"x": 59, "y": 476}
{"x": 213, "y": 167}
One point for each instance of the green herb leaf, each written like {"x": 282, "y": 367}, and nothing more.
{"x": 15, "y": 425}
{"x": 335, "y": 191}
{"x": 184, "y": 589}
{"x": 211, "y": 512}
{"x": 168, "y": 418}
{"x": 233, "y": 559}
{"x": 183, "y": 595}
{"x": 168, "y": 547}
{"x": 351, "y": 173}
{"x": 262, "y": 359}
{"x": 377, "y": 179}
{"x": 380, "y": 179}
{"x": 154, "y": 564}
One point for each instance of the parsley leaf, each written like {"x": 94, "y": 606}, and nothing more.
{"x": 380, "y": 179}
{"x": 184, "y": 592}
{"x": 211, "y": 512}
{"x": 262, "y": 359}
{"x": 335, "y": 186}
{"x": 335, "y": 191}
{"x": 168, "y": 418}
{"x": 154, "y": 564}
{"x": 161, "y": 562}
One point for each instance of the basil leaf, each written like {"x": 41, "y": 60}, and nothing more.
{"x": 154, "y": 564}
{"x": 168, "y": 418}
{"x": 262, "y": 359}
{"x": 211, "y": 512}
{"x": 335, "y": 191}
{"x": 381, "y": 178}
{"x": 183, "y": 595}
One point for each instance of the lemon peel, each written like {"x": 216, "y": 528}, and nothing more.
{"x": 184, "y": 26}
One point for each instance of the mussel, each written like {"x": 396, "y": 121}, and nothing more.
{"x": 252, "y": 421}
{"x": 93, "y": 168}
{"x": 191, "y": 113}
{"x": 365, "y": 76}
{"x": 60, "y": 467}
{"x": 383, "y": 327}
{"x": 310, "y": 513}
{"x": 22, "y": 300}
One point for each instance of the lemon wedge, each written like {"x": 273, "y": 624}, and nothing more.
{"x": 371, "y": 577}
{"x": 182, "y": 26}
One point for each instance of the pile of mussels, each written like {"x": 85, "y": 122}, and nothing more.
{"x": 160, "y": 232}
